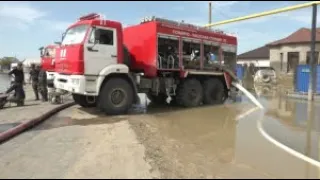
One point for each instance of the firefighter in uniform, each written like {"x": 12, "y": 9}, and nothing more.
{"x": 17, "y": 85}
{"x": 34, "y": 77}
{"x": 42, "y": 85}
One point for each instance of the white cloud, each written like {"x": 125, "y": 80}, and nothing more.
{"x": 20, "y": 11}
{"x": 21, "y": 15}
{"x": 303, "y": 16}
{"x": 55, "y": 25}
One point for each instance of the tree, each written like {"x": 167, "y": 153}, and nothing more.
{"x": 5, "y": 62}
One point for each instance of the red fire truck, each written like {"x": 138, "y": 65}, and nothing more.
{"x": 105, "y": 65}
{"x": 47, "y": 55}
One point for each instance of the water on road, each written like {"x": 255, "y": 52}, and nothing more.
{"x": 4, "y": 82}
{"x": 234, "y": 140}
{"x": 169, "y": 142}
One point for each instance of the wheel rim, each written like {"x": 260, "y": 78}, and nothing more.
{"x": 117, "y": 97}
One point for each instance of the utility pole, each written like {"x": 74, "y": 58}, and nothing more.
{"x": 313, "y": 64}
{"x": 210, "y": 13}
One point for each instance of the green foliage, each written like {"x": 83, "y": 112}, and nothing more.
{"x": 5, "y": 62}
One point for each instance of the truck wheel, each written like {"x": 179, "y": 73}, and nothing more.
{"x": 82, "y": 101}
{"x": 213, "y": 92}
{"x": 190, "y": 93}
{"x": 160, "y": 99}
{"x": 116, "y": 97}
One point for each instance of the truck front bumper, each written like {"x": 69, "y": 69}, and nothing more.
{"x": 72, "y": 83}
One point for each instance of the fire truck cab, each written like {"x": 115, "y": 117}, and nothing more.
{"x": 106, "y": 66}
{"x": 47, "y": 55}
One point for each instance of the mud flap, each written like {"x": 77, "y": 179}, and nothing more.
{"x": 233, "y": 91}
{"x": 228, "y": 79}
{"x": 135, "y": 90}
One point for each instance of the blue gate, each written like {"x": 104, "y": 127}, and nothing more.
{"x": 302, "y": 78}
{"x": 240, "y": 71}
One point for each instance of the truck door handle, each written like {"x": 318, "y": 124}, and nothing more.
{"x": 114, "y": 56}
{"x": 91, "y": 49}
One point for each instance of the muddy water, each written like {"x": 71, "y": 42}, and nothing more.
{"x": 214, "y": 142}
{"x": 219, "y": 141}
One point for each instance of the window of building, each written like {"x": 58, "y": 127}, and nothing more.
{"x": 191, "y": 53}
{"x": 308, "y": 59}
{"x": 168, "y": 52}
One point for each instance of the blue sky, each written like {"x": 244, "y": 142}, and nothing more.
{"x": 26, "y": 26}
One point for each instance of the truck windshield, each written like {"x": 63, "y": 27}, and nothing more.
{"x": 75, "y": 35}
{"x": 50, "y": 52}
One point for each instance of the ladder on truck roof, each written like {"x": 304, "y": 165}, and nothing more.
{"x": 187, "y": 25}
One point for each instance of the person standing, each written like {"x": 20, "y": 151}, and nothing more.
{"x": 17, "y": 85}
{"x": 42, "y": 85}
{"x": 34, "y": 77}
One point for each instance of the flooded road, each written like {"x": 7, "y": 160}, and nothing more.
{"x": 168, "y": 142}
{"x": 4, "y": 82}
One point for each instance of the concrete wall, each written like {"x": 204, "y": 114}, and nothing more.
{"x": 256, "y": 62}
{"x": 275, "y": 55}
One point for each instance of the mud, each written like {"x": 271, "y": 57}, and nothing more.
{"x": 215, "y": 141}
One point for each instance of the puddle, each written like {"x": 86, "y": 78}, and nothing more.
{"x": 218, "y": 141}
{"x": 291, "y": 124}
{"x": 209, "y": 141}
{"x": 90, "y": 116}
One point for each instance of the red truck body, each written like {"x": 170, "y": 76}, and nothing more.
{"x": 73, "y": 61}
{"x": 106, "y": 66}
{"x": 142, "y": 42}
{"x": 47, "y": 58}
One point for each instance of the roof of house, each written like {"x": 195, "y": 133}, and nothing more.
{"x": 259, "y": 53}
{"x": 303, "y": 35}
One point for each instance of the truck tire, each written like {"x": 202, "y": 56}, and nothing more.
{"x": 116, "y": 96}
{"x": 82, "y": 101}
{"x": 213, "y": 92}
{"x": 190, "y": 93}
{"x": 160, "y": 99}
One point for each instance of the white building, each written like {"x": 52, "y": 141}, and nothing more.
{"x": 260, "y": 57}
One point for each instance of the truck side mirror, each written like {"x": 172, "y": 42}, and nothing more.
{"x": 62, "y": 36}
